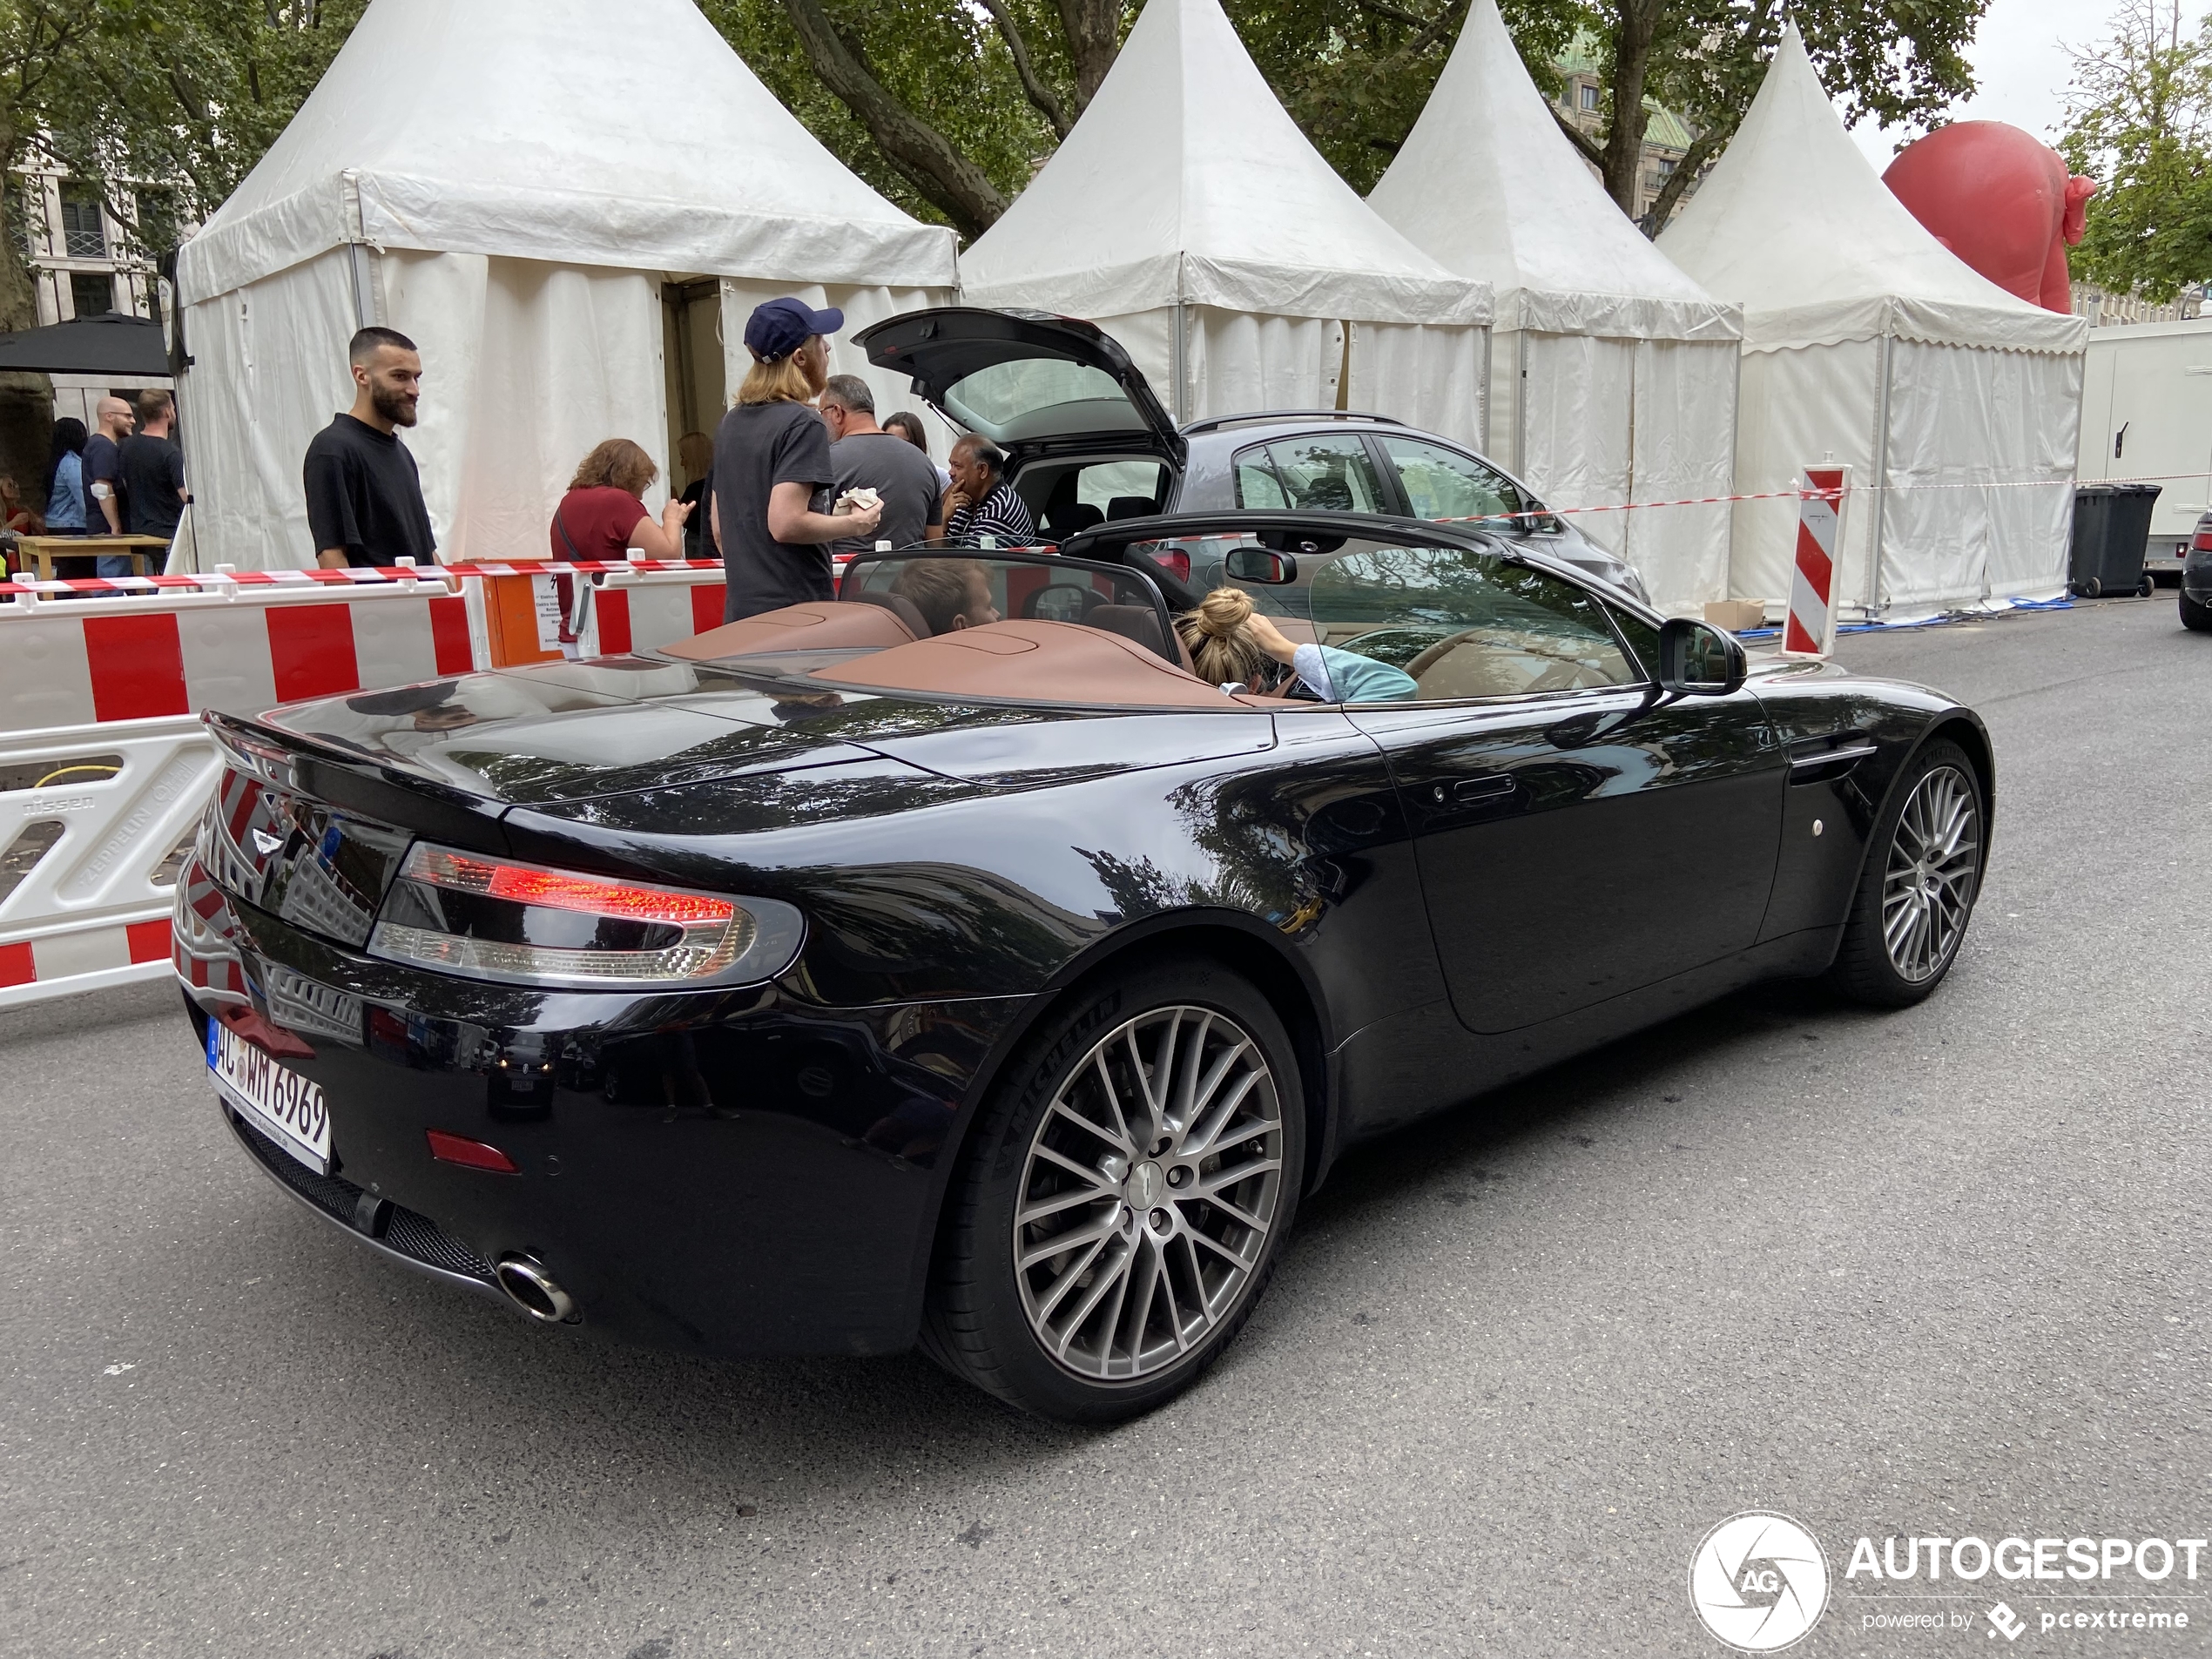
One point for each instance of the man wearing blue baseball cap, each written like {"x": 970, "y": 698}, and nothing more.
{"x": 772, "y": 476}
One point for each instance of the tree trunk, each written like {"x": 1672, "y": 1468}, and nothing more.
{"x": 925, "y": 156}
{"x": 1635, "y": 24}
{"x": 1093, "y": 30}
{"x": 1684, "y": 175}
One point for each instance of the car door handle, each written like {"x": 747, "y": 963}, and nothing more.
{"x": 1489, "y": 786}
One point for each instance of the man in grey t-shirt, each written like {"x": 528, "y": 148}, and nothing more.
{"x": 865, "y": 457}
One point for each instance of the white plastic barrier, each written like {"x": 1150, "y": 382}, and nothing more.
{"x": 92, "y": 819}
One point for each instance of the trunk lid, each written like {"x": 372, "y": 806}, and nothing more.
{"x": 1026, "y": 380}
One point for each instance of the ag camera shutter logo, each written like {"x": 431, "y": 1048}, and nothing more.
{"x": 1758, "y": 1582}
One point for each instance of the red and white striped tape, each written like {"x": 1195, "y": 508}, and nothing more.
{"x": 1811, "y": 629}
{"x": 223, "y": 579}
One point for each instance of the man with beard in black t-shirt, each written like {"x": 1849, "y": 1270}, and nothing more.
{"x": 364, "y": 496}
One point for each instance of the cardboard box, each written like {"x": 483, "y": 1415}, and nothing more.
{"x": 1737, "y": 614}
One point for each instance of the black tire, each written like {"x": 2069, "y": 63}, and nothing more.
{"x": 2196, "y": 618}
{"x": 1867, "y": 967}
{"x": 2147, "y": 587}
{"x": 2089, "y": 588}
{"x": 982, "y": 1319}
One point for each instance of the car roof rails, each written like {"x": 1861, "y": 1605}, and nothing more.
{"x": 1215, "y": 423}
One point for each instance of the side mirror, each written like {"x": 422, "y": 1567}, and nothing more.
{"x": 1260, "y": 564}
{"x": 1698, "y": 659}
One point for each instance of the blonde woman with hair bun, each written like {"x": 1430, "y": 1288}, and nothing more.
{"x": 1238, "y": 648}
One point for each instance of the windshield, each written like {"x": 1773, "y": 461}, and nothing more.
{"x": 1040, "y": 397}
{"x": 1463, "y": 622}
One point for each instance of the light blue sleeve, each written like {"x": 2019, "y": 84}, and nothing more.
{"x": 1349, "y": 677}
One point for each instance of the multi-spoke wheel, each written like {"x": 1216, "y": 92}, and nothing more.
{"x": 1124, "y": 1197}
{"x": 1917, "y": 893}
{"x": 1928, "y": 889}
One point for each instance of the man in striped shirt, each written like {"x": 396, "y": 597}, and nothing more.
{"x": 981, "y": 503}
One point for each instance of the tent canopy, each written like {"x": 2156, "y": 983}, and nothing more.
{"x": 532, "y": 129}
{"x": 1186, "y": 182}
{"x": 1488, "y": 187}
{"x": 113, "y": 344}
{"x": 1794, "y": 224}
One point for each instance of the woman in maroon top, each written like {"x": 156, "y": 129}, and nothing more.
{"x": 604, "y": 513}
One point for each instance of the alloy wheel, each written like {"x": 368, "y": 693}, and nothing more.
{"x": 1928, "y": 889}
{"x": 1148, "y": 1194}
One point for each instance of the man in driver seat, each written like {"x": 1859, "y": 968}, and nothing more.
{"x": 950, "y": 593}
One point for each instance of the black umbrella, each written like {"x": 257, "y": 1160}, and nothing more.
{"x": 111, "y": 344}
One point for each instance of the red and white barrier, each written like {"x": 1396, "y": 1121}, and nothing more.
{"x": 1811, "y": 629}
{"x": 223, "y": 643}
{"x": 108, "y": 767}
{"x": 92, "y": 819}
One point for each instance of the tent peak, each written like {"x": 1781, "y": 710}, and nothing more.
{"x": 544, "y": 129}
{"x": 1793, "y": 220}
{"x": 1185, "y": 180}
{"x": 1488, "y": 185}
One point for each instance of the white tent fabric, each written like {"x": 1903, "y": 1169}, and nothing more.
{"x": 509, "y": 182}
{"x": 1868, "y": 342}
{"x": 1613, "y": 375}
{"x": 1188, "y": 216}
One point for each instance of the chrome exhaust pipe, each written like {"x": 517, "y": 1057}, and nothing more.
{"x": 530, "y": 1288}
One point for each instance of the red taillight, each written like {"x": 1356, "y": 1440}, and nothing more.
{"x": 2202, "y": 541}
{"x": 1178, "y": 564}
{"x": 560, "y": 890}
{"x": 473, "y": 1155}
{"x": 683, "y": 938}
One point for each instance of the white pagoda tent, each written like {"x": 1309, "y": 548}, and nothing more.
{"x": 1188, "y": 216}
{"x": 1612, "y": 375}
{"x": 570, "y": 205}
{"x": 1867, "y": 342}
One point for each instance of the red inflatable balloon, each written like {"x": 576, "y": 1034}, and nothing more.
{"x": 2000, "y": 199}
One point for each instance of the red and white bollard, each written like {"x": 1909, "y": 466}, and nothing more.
{"x": 1811, "y": 629}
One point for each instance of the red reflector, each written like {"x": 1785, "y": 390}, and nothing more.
{"x": 475, "y": 1155}
{"x": 2202, "y": 541}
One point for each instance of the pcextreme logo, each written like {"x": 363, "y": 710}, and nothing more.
{"x": 1758, "y": 1582}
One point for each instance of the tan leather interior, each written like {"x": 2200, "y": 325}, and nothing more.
{"x": 1032, "y": 662}
{"x": 1130, "y": 621}
{"x": 820, "y": 625}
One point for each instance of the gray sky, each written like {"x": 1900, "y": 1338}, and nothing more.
{"x": 2021, "y": 68}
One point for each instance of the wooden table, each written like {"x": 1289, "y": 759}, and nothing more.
{"x": 43, "y": 550}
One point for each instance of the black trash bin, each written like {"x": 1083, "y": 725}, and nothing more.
{"x": 2111, "y": 528}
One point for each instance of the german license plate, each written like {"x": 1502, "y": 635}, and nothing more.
{"x": 282, "y": 1104}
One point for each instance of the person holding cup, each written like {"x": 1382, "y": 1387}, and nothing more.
{"x": 773, "y": 479}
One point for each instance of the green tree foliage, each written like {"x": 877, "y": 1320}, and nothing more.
{"x": 949, "y": 107}
{"x": 946, "y": 68}
{"x": 1355, "y": 74}
{"x": 184, "y": 96}
{"x": 2138, "y": 120}
{"x": 36, "y": 41}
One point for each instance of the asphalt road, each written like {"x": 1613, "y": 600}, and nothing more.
{"x": 1936, "y": 1273}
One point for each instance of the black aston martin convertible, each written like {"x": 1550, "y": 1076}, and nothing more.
{"x": 968, "y": 970}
